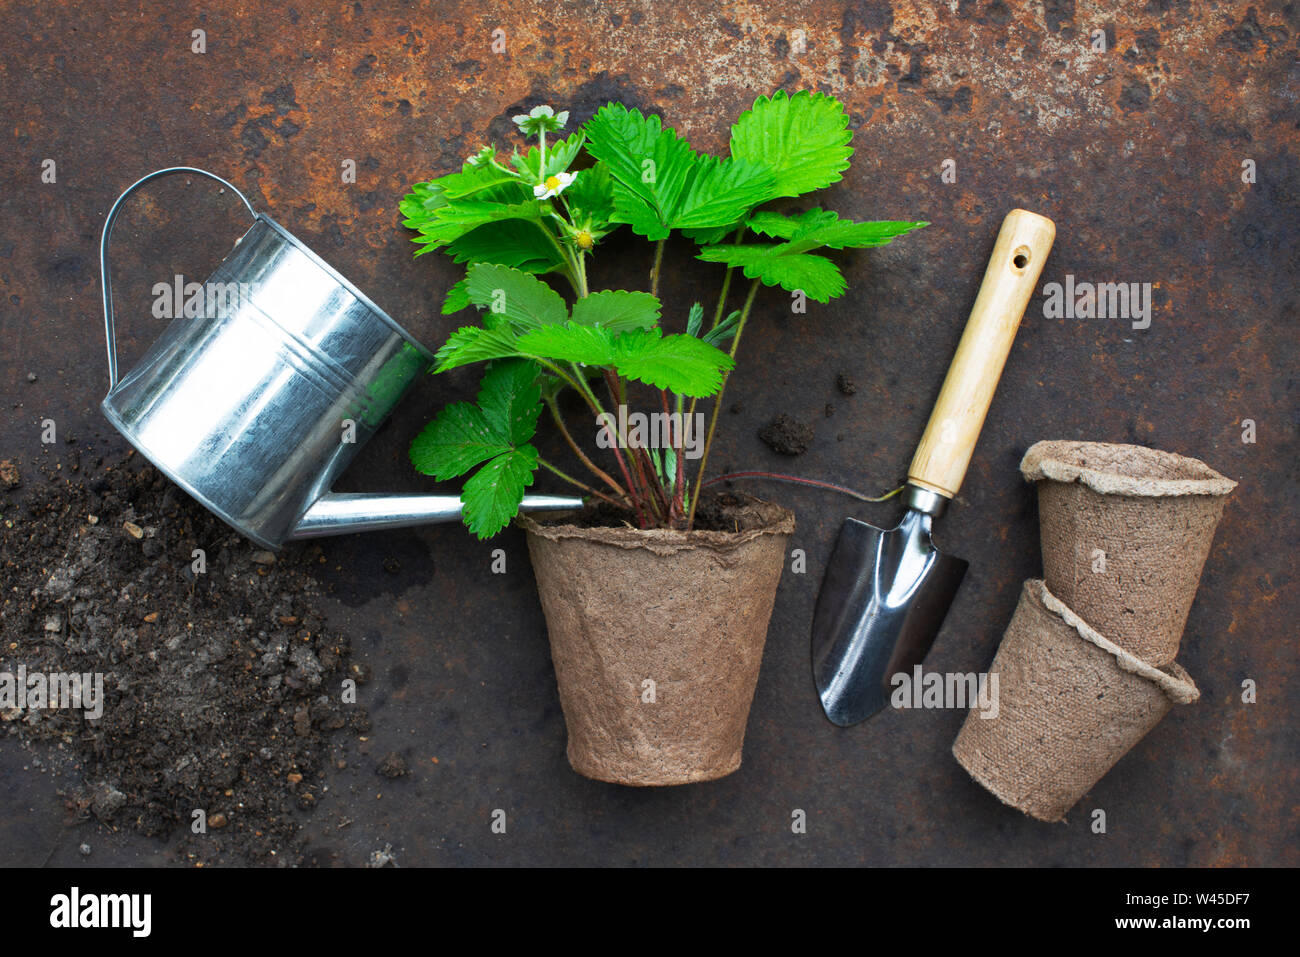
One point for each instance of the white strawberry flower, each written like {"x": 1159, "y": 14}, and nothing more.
{"x": 541, "y": 119}
{"x": 553, "y": 185}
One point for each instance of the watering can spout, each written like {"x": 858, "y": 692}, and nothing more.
{"x": 338, "y": 513}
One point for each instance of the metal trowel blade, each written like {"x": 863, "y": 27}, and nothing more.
{"x": 883, "y": 599}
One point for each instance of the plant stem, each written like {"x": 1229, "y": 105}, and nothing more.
{"x": 717, "y": 318}
{"x": 573, "y": 481}
{"x": 690, "y": 416}
{"x": 580, "y": 384}
{"x": 658, "y": 498}
{"x": 645, "y": 497}
{"x": 654, "y": 271}
{"x": 645, "y": 474}
{"x": 649, "y": 485}
{"x": 679, "y": 450}
{"x": 570, "y": 272}
{"x": 637, "y": 506}
{"x": 778, "y": 477}
{"x": 582, "y": 456}
{"x": 681, "y": 456}
{"x": 726, "y": 283}
{"x": 722, "y": 297}
{"x": 717, "y": 403}
{"x": 582, "y": 272}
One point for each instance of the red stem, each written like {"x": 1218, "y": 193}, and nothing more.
{"x": 779, "y": 477}
{"x": 647, "y": 485}
{"x": 595, "y": 469}
{"x": 632, "y": 494}
{"x": 678, "y": 450}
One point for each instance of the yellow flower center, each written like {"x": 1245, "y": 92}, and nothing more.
{"x": 552, "y": 182}
{"x": 584, "y": 239}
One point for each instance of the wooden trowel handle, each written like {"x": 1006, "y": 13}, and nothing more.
{"x": 1012, "y": 275}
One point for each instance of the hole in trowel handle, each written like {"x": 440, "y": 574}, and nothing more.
{"x": 1020, "y": 258}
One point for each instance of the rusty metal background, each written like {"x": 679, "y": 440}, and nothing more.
{"x": 1137, "y": 153}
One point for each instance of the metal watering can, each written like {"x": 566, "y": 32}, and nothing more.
{"x": 257, "y": 402}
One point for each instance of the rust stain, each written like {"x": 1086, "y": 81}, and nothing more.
{"x": 1136, "y": 151}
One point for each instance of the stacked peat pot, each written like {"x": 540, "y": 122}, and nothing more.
{"x": 1086, "y": 668}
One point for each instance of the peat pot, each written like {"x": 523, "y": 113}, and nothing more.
{"x": 1071, "y": 703}
{"x": 1125, "y": 534}
{"x": 656, "y": 637}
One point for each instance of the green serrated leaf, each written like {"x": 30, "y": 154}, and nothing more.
{"x": 780, "y": 226}
{"x": 526, "y": 247}
{"x": 491, "y": 497}
{"x": 715, "y": 194}
{"x": 776, "y": 265}
{"x": 448, "y": 223}
{"x": 713, "y": 234}
{"x": 846, "y": 234}
{"x": 661, "y": 184}
{"x": 420, "y": 202}
{"x": 456, "y": 299}
{"x": 457, "y": 440}
{"x": 681, "y": 363}
{"x": 638, "y": 150}
{"x": 617, "y": 310}
{"x": 474, "y": 182}
{"x": 589, "y": 345}
{"x": 511, "y": 399}
{"x": 479, "y": 183}
{"x": 591, "y": 196}
{"x": 721, "y": 191}
{"x": 522, "y": 300}
{"x": 804, "y": 139}
{"x": 821, "y": 227}
{"x": 471, "y": 344}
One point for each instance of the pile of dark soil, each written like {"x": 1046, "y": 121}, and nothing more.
{"x": 221, "y": 686}
{"x": 787, "y": 436}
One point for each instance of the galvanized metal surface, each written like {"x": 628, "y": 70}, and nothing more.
{"x": 1136, "y": 152}
{"x": 257, "y": 398}
{"x": 243, "y": 401}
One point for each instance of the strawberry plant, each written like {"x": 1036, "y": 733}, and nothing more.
{"x": 544, "y": 212}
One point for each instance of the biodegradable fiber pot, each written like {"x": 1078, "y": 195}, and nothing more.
{"x": 1125, "y": 533}
{"x": 1070, "y": 704}
{"x": 688, "y": 612}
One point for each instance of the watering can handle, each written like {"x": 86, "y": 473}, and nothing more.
{"x": 105, "y": 284}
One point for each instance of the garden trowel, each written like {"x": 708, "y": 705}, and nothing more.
{"x": 885, "y": 593}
